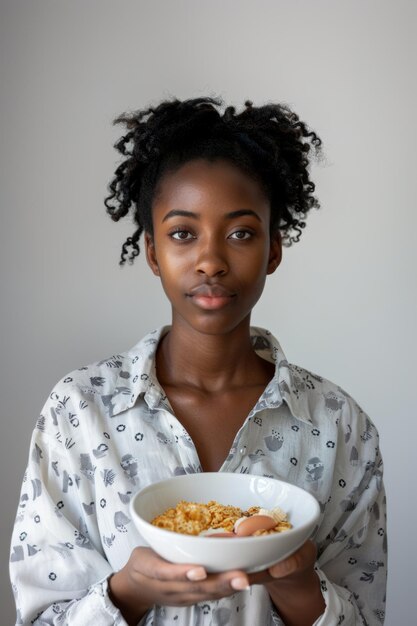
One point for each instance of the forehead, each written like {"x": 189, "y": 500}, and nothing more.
{"x": 198, "y": 180}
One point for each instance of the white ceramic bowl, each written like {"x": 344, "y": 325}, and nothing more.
{"x": 251, "y": 554}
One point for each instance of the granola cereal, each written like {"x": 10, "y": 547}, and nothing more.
{"x": 194, "y": 518}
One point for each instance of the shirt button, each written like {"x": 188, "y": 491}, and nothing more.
{"x": 242, "y": 450}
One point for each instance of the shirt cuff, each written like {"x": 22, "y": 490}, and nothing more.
{"x": 339, "y": 609}
{"x": 102, "y": 589}
{"x": 100, "y": 603}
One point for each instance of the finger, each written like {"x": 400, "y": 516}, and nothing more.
{"x": 185, "y": 593}
{"x": 215, "y": 586}
{"x": 236, "y": 579}
{"x": 150, "y": 564}
{"x": 260, "y": 578}
{"x": 221, "y": 585}
{"x": 300, "y": 560}
{"x": 153, "y": 566}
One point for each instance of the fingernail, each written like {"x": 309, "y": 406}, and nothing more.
{"x": 239, "y": 584}
{"x": 274, "y": 573}
{"x": 198, "y": 573}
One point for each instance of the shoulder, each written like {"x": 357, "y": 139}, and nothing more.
{"x": 97, "y": 377}
{"x": 94, "y": 379}
{"x": 316, "y": 400}
{"x": 322, "y": 400}
{"x": 339, "y": 431}
{"x": 93, "y": 390}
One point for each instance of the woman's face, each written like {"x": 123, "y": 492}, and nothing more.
{"x": 211, "y": 244}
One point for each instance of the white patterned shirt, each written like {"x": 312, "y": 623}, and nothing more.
{"x": 108, "y": 430}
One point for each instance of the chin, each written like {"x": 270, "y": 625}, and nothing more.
{"x": 212, "y": 326}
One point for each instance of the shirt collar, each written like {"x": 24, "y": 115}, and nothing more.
{"x": 138, "y": 376}
{"x": 283, "y": 386}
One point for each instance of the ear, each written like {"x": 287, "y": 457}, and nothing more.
{"x": 275, "y": 253}
{"x": 151, "y": 254}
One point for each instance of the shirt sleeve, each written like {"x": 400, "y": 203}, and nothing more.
{"x": 352, "y": 563}
{"x": 58, "y": 568}
{"x": 351, "y": 539}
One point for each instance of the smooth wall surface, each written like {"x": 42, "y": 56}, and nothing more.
{"x": 343, "y": 302}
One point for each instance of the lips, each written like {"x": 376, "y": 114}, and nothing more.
{"x": 211, "y": 297}
{"x": 211, "y": 291}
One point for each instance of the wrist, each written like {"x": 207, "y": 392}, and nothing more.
{"x": 124, "y": 597}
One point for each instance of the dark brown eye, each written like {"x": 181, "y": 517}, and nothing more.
{"x": 181, "y": 235}
{"x": 241, "y": 234}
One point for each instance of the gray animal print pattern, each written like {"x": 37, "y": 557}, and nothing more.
{"x": 108, "y": 430}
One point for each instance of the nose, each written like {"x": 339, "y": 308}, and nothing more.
{"x": 211, "y": 260}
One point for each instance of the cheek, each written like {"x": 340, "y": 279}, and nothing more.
{"x": 173, "y": 267}
{"x": 255, "y": 269}
{"x": 171, "y": 273}
{"x": 255, "y": 278}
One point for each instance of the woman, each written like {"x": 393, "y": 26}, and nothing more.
{"x": 216, "y": 195}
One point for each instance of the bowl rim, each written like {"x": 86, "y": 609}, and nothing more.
{"x": 206, "y": 538}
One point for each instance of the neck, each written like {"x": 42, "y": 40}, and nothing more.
{"x": 210, "y": 362}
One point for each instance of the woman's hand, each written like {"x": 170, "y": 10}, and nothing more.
{"x": 147, "y": 579}
{"x": 294, "y": 586}
{"x": 300, "y": 562}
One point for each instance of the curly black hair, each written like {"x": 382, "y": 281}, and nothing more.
{"x": 269, "y": 143}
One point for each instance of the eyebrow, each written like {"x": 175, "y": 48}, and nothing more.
{"x": 196, "y": 216}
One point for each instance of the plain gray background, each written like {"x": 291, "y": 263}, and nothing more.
{"x": 343, "y": 302}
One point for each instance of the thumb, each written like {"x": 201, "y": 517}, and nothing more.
{"x": 300, "y": 560}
